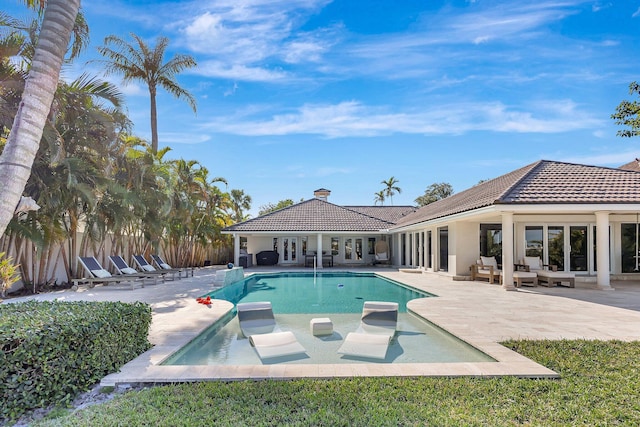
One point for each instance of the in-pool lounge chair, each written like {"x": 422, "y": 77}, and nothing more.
{"x": 377, "y": 328}
{"x": 381, "y": 255}
{"x": 259, "y": 325}
{"x": 162, "y": 265}
{"x": 97, "y": 274}
{"x": 124, "y": 269}
{"x": 548, "y": 275}
{"x": 145, "y": 266}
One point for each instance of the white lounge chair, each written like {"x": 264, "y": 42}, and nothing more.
{"x": 259, "y": 325}
{"x": 276, "y": 344}
{"x": 549, "y": 274}
{"x": 256, "y": 318}
{"x": 377, "y": 328}
{"x": 97, "y": 274}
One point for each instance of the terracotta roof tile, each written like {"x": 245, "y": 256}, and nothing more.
{"x": 313, "y": 215}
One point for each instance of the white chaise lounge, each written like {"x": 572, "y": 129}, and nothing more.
{"x": 258, "y": 323}
{"x": 377, "y": 328}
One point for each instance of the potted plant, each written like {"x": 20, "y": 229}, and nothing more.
{"x": 9, "y": 273}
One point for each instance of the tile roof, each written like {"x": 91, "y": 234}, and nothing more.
{"x": 313, "y": 215}
{"x": 542, "y": 182}
{"x": 631, "y": 166}
{"x": 388, "y": 213}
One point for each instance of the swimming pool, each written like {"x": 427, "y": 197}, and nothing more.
{"x": 298, "y": 297}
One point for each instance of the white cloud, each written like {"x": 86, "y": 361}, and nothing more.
{"x": 241, "y": 72}
{"x": 168, "y": 138}
{"x": 250, "y": 34}
{"x": 607, "y": 158}
{"x": 353, "y": 119}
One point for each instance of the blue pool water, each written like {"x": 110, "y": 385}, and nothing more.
{"x": 297, "y": 298}
{"x": 292, "y": 293}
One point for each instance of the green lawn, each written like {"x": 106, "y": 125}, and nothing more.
{"x": 600, "y": 385}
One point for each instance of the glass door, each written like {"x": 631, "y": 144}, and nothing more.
{"x": 288, "y": 252}
{"x": 578, "y": 245}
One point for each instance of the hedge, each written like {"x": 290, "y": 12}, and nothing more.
{"x": 53, "y": 351}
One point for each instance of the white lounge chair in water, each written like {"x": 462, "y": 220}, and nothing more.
{"x": 259, "y": 325}
{"x": 377, "y": 328}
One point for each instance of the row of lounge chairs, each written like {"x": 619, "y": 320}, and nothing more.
{"x": 531, "y": 271}
{"x": 96, "y": 273}
{"x": 371, "y": 340}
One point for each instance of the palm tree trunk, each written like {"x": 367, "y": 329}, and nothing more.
{"x": 154, "y": 120}
{"x": 20, "y": 151}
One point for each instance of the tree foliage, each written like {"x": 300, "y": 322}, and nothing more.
{"x": 391, "y": 188}
{"x": 628, "y": 114}
{"x": 435, "y": 192}
{"x": 140, "y": 62}
{"x": 271, "y": 207}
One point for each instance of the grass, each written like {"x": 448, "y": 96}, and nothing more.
{"x": 600, "y": 386}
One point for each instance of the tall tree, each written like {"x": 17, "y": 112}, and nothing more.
{"x": 379, "y": 197}
{"x": 628, "y": 114}
{"x": 435, "y": 192}
{"x": 391, "y": 188}
{"x": 24, "y": 139}
{"x": 144, "y": 63}
{"x": 241, "y": 202}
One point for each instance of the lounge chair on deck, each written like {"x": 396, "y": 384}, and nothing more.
{"x": 258, "y": 323}
{"x": 162, "y": 265}
{"x": 377, "y": 328}
{"x": 145, "y": 266}
{"x": 124, "y": 269}
{"x": 548, "y": 274}
{"x": 97, "y": 274}
{"x": 486, "y": 268}
{"x": 381, "y": 255}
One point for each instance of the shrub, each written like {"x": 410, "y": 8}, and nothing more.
{"x": 52, "y": 351}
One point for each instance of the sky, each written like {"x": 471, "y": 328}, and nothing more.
{"x": 297, "y": 95}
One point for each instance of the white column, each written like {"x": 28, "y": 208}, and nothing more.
{"x": 236, "y": 249}
{"x": 319, "y": 251}
{"x": 602, "y": 248}
{"x": 507, "y": 251}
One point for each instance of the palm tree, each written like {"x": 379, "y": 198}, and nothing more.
{"x": 391, "y": 188}
{"x": 379, "y": 197}
{"x": 24, "y": 139}
{"x": 241, "y": 202}
{"x": 141, "y": 62}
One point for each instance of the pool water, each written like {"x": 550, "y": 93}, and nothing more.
{"x": 291, "y": 293}
{"x": 297, "y": 298}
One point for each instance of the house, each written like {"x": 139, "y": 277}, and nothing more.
{"x": 582, "y": 218}
{"x": 299, "y": 233}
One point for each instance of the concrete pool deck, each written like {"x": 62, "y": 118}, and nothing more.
{"x": 479, "y": 313}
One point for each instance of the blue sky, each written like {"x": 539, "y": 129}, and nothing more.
{"x": 295, "y": 95}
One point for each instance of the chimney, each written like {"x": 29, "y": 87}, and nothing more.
{"x": 322, "y": 194}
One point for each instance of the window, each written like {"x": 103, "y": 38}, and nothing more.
{"x": 443, "y": 235}
{"x": 491, "y": 241}
{"x": 578, "y": 245}
{"x": 534, "y": 243}
{"x": 371, "y": 245}
{"x": 555, "y": 236}
{"x": 335, "y": 246}
{"x": 629, "y": 241}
